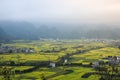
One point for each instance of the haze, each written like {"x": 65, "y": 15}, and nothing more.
{"x": 61, "y": 11}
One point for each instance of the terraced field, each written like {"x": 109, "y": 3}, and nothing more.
{"x": 29, "y": 66}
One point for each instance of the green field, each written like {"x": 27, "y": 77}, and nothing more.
{"x": 59, "y": 72}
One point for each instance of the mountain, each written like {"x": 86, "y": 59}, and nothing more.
{"x": 19, "y": 30}
{"x": 48, "y": 32}
{"x": 3, "y": 36}
{"x": 28, "y": 31}
{"x": 104, "y": 33}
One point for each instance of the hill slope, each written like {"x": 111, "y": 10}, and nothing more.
{"x": 28, "y": 31}
{"x": 3, "y": 36}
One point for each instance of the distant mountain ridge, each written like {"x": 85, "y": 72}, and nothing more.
{"x": 19, "y": 30}
{"x": 28, "y": 31}
{"x": 3, "y": 36}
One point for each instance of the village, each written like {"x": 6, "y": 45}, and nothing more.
{"x": 12, "y": 49}
{"x": 108, "y": 70}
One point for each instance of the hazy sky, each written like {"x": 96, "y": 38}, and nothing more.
{"x": 66, "y": 11}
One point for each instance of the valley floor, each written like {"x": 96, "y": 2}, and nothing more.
{"x": 72, "y": 59}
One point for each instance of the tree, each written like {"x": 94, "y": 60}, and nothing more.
{"x": 43, "y": 77}
{"x": 6, "y": 73}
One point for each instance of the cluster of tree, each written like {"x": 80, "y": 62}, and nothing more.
{"x": 6, "y": 73}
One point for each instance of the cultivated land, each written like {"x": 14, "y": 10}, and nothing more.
{"x": 80, "y": 54}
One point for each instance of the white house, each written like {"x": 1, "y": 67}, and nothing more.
{"x": 65, "y": 61}
{"x": 52, "y": 64}
{"x": 95, "y": 64}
